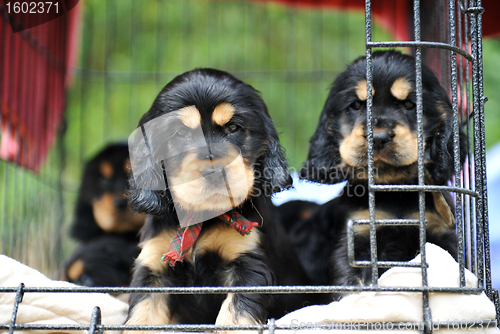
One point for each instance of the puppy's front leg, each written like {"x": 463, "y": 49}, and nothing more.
{"x": 147, "y": 309}
{"x": 150, "y": 309}
{"x": 244, "y": 309}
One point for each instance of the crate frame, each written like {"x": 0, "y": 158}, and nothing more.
{"x": 479, "y": 261}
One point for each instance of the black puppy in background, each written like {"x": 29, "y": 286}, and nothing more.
{"x": 106, "y": 260}
{"x": 338, "y": 152}
{"x": 104, "y": 224}
{"x": 102, "y": 206}
{"x": 224, "y": 161}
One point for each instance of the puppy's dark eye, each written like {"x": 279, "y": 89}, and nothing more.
{"x": 182, "y": 133}
{"x": 104, "y": 182}
{"x": 408, "y": 105}
{"x": 356, "y": 105}
{"x": 232, "y": 128}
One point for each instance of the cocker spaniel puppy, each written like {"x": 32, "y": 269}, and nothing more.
{"x": 102, "y": 207}
{"x": 205, "y": 159}
{"x": 338, "y": 152}
{"x": 106, "y": 260}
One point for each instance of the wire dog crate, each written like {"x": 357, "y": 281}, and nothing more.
{"x": 449, "y": 41}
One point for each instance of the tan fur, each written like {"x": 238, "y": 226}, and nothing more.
{"x": 189, "y": 116}
{"x": 227, "y": 314}
{"x": 444, "y": 219}
{"x": 110, "y": 219}
{"x": 305, "y": 214}
{"x": 105, "y": 212}
{"x": 406, "y": 143}
{"x": 443, "y": 209}
{"x": 435, "y": 223}
{"x": 361, "y": 90}
{"x": 227, "y": 242}
{"x": 76, "y": 270}
{"x": 402, "y": 176}
{"x": 127, "y": 167}
{"x": 153, "y": 249}
{"x": 365, "y": 214}
{"x": 106, "y": 169}
{"x": 444, "y": 109}
{"x": 192, "y": 192}
{"x": 129, "y": 221}
{"x": 353, "y": 147}
{"x": 401, "y": 88}
{"x": 401, "y": 151}
{"x": 222, "y": 114}
{"x": 151, "y": 311}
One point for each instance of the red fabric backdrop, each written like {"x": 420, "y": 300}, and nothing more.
{"x": 393, "y": 14}
{"x": 33, "y": 67}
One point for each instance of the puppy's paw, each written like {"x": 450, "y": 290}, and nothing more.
{"x": 228, "y": 315}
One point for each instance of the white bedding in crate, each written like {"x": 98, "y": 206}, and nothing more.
{"x": 52, "y": 308}
{"x": 382, "y": 309}
{"x": 373, "y": 308}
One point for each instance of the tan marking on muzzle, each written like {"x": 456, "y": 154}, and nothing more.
{"x": 353, "y": 147}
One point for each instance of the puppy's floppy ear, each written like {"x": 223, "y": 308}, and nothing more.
{"x": 321, "y": 165}
{"x": 441, "y": 149}
{"x": 84, "y": 226}
{"x": 274, "y": 172}
{"x": 148, "y": 191}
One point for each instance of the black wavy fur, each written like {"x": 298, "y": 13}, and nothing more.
{"x": 94, "y": 185}
{"x": 274, "y": 261}
{"x": 321, "y": 240}
{"x": 323, "y": 164}
{"x": 106, "y": 260}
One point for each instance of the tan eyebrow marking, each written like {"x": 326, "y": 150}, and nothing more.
{"x": 361, "y": 90}
{"x": 223, "y": 114}
{"x": 190, "y": 116}
{"x": 106, "y": 169}
{"x": 401, "y": 88}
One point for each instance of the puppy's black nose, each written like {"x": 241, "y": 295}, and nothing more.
{"x": 381, "y": 138}
{"x": 121, "y": 203}
{"x": 214, "y": 175}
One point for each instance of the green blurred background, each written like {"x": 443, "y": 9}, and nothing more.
{"x": 130, "y": 49}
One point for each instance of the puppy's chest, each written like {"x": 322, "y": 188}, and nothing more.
{"x": 438, "y": 213}
{"x": 215, "y": 238}
{"x": 225, "y": 241}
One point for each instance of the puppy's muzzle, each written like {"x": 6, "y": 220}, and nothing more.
{"x": 383, "y": 133}
{"x": 381, "y": 138}
{"x": 214, "y": 175}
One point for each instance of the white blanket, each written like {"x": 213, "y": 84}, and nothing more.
{"x": 52, "y": 308}
{"x": 373, "y": 308}
{"x": 381, "y": 309}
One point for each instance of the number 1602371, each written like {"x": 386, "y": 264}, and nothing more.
{"x": 32, "y": 7}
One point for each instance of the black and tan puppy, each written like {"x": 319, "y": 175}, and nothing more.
{"x": 338, "y": 152}
{"x": 106, "y": 260}
{"x": 101, "y": 206}
{"x": 205, "y": 159}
